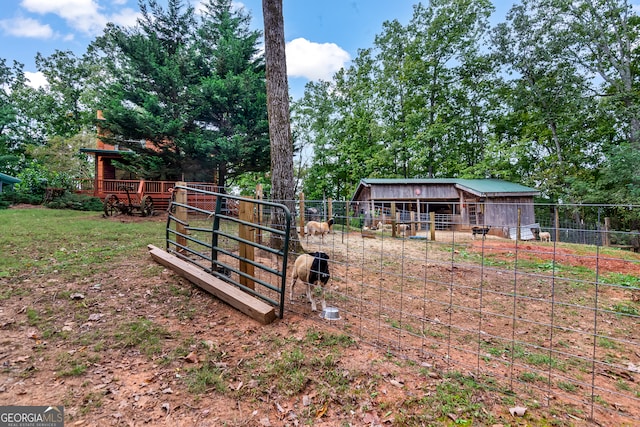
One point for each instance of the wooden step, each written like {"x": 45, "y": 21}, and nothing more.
{"x": 248, "y": 304}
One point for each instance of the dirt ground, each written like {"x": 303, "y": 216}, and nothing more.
{"x": 79, "y": 326}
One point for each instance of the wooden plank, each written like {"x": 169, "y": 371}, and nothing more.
{"x": 247, "y": 304}
{"x": 246, "y": 251}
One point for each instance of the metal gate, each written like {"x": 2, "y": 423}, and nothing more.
{"x": 235, "y": 242}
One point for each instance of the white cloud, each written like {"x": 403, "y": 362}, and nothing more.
{"x": 35, "y": 80}
{"x": 26, "y": 27}
{"x": 314, "y": 61}
{"x": 126, "y": 17}
{"x": 82, "y": 15}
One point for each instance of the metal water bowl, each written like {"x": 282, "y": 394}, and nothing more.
{"x": 330, "y": 313}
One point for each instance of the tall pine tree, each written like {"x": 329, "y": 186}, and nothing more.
{"x": 192, "y": 87}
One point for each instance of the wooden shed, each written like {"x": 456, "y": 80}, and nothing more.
{"x": 457, "y": 203}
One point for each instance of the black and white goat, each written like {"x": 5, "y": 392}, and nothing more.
{"x": 312, "y": 269}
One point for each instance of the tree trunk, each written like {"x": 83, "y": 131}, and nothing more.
{"x": 282, "y": 181}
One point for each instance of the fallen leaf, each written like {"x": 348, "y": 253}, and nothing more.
{"x": 396, "y": 383}
{"x": 517, "y": 410}
{"x": 191, "y": 357}
{"x": 265, "y": 422}
{"x": 320, "y": 412}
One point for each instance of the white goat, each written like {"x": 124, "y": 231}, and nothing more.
{"x": 312, "y": 269}
{"x": 545, "y": 236}
{"x": 314, "y": 228}
{"x": 382, "y": 226}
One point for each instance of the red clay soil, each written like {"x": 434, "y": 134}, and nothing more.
{"x": 563, "y": 255}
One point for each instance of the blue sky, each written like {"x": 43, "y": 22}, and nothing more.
{"x": 322, "y": 36}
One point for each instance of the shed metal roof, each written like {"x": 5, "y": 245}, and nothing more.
{"x": 9, "y": 179}
{"x": 480, "y": 187}
{"x": 104, "y": 151}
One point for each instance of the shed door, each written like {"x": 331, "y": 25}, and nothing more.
{"x": 476, "y": 214}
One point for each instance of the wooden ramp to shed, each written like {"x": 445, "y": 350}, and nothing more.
{"x": 248, "y": 304}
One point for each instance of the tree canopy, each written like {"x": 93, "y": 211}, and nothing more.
{"x": 549, "y": 98}
{"x": 194, "y": 87}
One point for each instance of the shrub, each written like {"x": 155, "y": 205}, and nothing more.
{"x": 36, "y": 178}
{"x": 11, "y": 197}
{"x": 78, "y": 202}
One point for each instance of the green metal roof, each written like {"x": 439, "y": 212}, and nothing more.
{"x": 481, "y": 187}
{"x": 9, "y": 179}
{"x": 103, "y": 151}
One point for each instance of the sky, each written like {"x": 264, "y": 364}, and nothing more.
{"x": 322, "y": 36}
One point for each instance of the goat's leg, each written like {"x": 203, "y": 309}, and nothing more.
{"x": 310, "y": 298}
{"x": 293, "y": 283}
{"x": 323, "y": 302}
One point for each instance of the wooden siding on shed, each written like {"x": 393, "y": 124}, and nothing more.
{"x": 504, "y": 211}
{"x": 413, "y": 192}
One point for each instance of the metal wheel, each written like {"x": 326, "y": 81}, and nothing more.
{"x": 146, "y": 206}
{"x": 111, "y": 205}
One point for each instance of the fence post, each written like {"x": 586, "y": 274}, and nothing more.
{"x": 302, "y": 219}
{"x": 246, "y": 251}
{"x": 518, "y": 234}
{"x": 412, "y": 216}
{"x": 259, "y": 197}
{"x": 607, "y": 227}
{"x": 181, "y": 215}
{"x": 557, "y": 221}
{"x": 394, "y": 222}
{"x": 432, "y": 225}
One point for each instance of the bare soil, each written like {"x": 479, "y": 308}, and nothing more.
{"x": 62, "y": 343}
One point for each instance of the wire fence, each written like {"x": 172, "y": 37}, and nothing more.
{"x": 554, "y": 322}
{"x": 550, "y": 322}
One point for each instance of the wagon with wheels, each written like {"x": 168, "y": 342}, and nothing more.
{"x": 133, "y": 203}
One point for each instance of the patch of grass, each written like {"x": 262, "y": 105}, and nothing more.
{"x": 530, "y": 377}
{"x": 33, "y": 318}
{"x": 567, "y": 386}
{"x": 537, "y": 359}
{"x": 90, "y": 401}
{"x": 205, "y": 378}
{"x": 290, "y": 371}
{"x": 629, "y": 309}
{"x": 74, "y": 364}
{"x": 623, "y": 385}
{"x": 77, "y": 243}
{"x": 607, "y": 343}
{"x": 327, "y": 339}
{"x": 143, "y": 334}
{"x": 456, "y": 395}
{"x": 621, "y": 279}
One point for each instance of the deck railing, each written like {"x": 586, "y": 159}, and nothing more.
{"x": 100, "y": 188}
{"x": 159, "y": 191}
